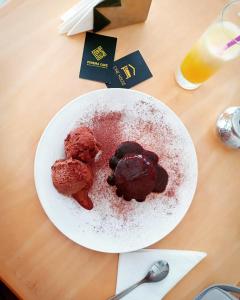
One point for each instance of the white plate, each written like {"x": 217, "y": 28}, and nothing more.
{"x": 115, "y": 225}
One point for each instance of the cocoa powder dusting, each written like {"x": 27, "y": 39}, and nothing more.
{"x": 161, "y": 137}
{"x": 107, "y": 131}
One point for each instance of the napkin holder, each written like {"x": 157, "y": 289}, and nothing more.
{"x": 111, "y": 14}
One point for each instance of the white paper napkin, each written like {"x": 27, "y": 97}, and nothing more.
{"x": 133, "y": 266}
{"x": 85, "y": 22}
{"x": 79, "y": 18}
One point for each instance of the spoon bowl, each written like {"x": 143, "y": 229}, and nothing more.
{"x": 158, "y": 271}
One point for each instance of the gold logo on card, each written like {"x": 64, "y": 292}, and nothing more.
{"x": 129, "y": 71}
{"x": 99, "y": 53}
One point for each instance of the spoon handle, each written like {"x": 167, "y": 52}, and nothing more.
{"x": 128, "y": 290}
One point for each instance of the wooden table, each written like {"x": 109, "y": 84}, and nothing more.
{"x": 38, "y": 75}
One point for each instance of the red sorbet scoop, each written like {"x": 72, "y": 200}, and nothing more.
{"x": 81, "y": 144}
{"x": 73, "y": 178}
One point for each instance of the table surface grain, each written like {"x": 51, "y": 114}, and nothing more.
{"x": 38, "y": 75}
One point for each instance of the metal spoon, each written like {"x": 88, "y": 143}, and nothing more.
{"x": 157, "y": 272}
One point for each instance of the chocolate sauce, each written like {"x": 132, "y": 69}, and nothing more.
{"x": 136, "y": 172}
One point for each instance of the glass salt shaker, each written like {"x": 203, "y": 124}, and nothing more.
{"x": 228, "y": 127}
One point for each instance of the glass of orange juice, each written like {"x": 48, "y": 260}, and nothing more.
{"x": 219, "y": 44}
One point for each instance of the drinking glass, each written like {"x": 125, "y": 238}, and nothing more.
{"x": 219, "y": 44}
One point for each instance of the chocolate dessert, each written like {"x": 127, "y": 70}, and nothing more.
{"x": 81, "y": 144}
{"x": 136, "y": 172}
{"x": 73, "y": 176}
{"x": 70, "y": 176}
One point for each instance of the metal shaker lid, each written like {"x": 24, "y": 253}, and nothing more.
{"x": 236, "y": 121}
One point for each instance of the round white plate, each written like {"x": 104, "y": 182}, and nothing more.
{"x": 114, "y": 225}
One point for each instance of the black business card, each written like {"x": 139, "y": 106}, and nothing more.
{"x": 98, "y": 56}
{"x": 128, "y": 71}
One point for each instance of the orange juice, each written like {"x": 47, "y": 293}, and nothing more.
{"x": 207, "y": 55}
{"x": 195, "y": 68}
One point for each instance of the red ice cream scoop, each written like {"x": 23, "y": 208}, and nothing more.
{"x": 73, "y": 178}
{"x": 81, "y": 144}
